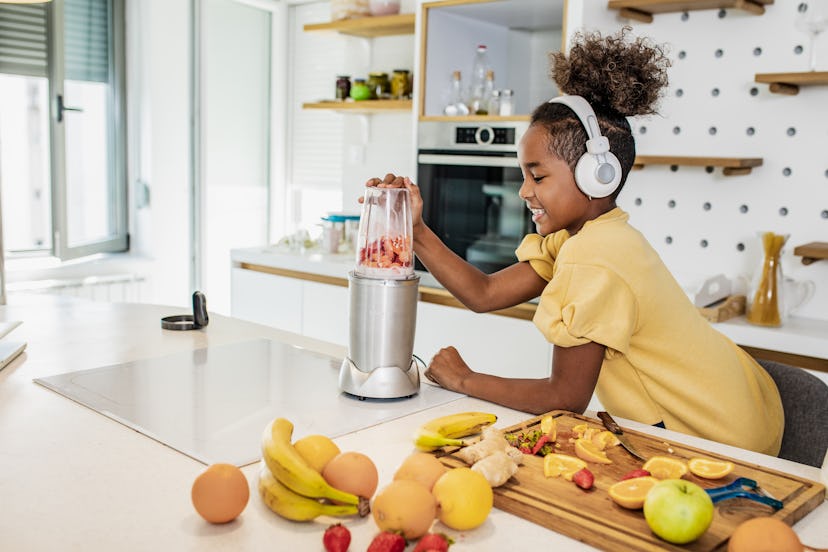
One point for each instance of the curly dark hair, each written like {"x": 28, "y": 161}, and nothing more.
{"x": 618, "y": 77}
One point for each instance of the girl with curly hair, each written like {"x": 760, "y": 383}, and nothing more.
{"x": 621, "y": 325}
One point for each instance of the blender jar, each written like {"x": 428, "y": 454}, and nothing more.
{"x": 385, "y": 243}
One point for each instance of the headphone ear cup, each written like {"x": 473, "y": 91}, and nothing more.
{"x": 598, "y": 178}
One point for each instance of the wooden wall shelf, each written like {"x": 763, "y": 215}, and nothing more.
{"x": 812, "y": 252}
{"x": 789, "y": 83}
{"x": 365, "y": 106}
{"x": 369, "y": 27}
{"x": 732, "y": 166}
{"x": 643, "y": 10}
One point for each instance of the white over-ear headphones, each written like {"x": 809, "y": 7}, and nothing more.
{"x": 598, "y": 172}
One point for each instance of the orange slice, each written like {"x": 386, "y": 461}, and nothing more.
{"x": 549, "y": 426}
{"x": 665, "y": 467}
{"x": 631, "y": 493}
{"x": 586, "y": 450}
{"x": 709, "y": 469}
{"x": 555, "y": 465}
{"x": 579, "y": 429}
{"x": 605, "y": 439}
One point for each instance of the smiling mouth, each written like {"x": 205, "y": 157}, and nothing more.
{"x": 536, "y": 213}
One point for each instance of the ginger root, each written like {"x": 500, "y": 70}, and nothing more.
{"x": 497, "y": 468}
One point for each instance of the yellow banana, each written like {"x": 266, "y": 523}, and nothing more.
{"x": 293, "y": 506}
{"x": 463, "y": 424}
{"x": 448, "y": 430}
{"x": 293, "y": 471}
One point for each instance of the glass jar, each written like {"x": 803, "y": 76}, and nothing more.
{"x": 349, "y": 9}
{"x": 360, "y": 90}
{"x": 507, "y": 102}
{"x": 379, "y": 85}
{"x": 384, "y": 7}
{"x": 343, "y": 87}
{"x": 766, "y": 303}
{"x": 400, "y": 84}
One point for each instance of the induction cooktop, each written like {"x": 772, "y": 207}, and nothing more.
{"x": 212, "y": 404}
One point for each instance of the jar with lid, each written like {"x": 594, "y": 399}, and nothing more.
{"x": 379, "y": 85}
{"x": 400, "y": 84}
{"x": 494, "y": 103}
{"x": 507, "y": 102}
{"x": 360, "y": 90}
{"x": 349, "y": 9}
{"x": 343, "y": 87}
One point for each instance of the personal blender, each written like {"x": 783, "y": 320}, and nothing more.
{"x": 383, "y": 301}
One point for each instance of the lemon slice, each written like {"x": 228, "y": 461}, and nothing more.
{"x": 586, "y": 450}
{"x": 709, "y": 469}
{"x": 555, "y": 465}
{"x": 665, "y": 467}
{"x": 605, "y": 439}
{"x": 631, "y": 493}
{"x": 549, "y": 426}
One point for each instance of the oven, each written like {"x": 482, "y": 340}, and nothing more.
{"x": 469, "y": 178}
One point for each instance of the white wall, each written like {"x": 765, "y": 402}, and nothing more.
{"x": 684, "y": 128}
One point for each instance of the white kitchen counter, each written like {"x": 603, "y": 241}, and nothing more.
{"x": 73, "y": 479}
{"x": 798, "y": 336}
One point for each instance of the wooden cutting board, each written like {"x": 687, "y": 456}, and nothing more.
{"x": 592, "y": 517}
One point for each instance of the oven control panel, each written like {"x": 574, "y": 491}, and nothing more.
{"x": 484, "y": 135}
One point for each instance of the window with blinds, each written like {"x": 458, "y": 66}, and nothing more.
{"x": 23, "y": 41}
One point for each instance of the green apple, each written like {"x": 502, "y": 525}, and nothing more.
{"x": 678, "y": 511}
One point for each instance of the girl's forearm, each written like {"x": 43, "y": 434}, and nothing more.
{"x": 535, "y": 396}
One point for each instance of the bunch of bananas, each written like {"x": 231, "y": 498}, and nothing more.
{"x": 290, "y": 487}
{"x": 449, "y": 430}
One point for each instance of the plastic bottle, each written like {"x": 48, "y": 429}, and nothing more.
{"x": 481, "y": 104}
{"x": 455, "y": 105}
{"x": 480, "y": 67}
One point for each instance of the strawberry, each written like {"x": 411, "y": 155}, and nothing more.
{"x": 584, "y": 479}
{"x": 434, "y": 542}
{"x": 387, "y": 542}
{"x": 635, "y": 473}
{"x": 337, "y": 538}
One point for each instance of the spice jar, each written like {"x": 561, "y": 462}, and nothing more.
{"x": 360, "y": 90}
{"x": 379, "y": 85}
{"x": 507, "y": 102}
{"x": 343, "y": 87}
{"x": 400, "y": 84}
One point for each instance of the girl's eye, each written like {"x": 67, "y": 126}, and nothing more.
{"x": 537, "y": 178}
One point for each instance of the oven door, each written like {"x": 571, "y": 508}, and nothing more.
{"x": 471, "y": 202}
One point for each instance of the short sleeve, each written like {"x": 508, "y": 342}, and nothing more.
{"x": 584, "y": 303}
{"x": 541, "y": 252}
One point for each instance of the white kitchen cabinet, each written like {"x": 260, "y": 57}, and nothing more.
{"x": 489, "y": 343}
{"x": 325, "y": 312}
{"x": 266, "y": 299}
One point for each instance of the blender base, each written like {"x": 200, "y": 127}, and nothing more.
{"x": 386, "y": 382}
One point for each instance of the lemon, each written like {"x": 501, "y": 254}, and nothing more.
{"x": 605, "y": 439}
{"x": 709, "y": 469}
{"x": 555, "y": 465}
{"x": 317, "y": 450}
{"x": 665, "y": 467}
{"x": 586, "y": 450}
{"x": 549, "y": 426}
{"x": 465, "y": 498}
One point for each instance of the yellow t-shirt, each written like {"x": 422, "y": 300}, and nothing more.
{"x": 663, "y": 360}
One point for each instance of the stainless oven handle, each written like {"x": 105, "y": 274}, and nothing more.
{"x": 467, "y": 160}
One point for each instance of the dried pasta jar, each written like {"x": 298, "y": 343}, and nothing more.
{"x": 385, "y": 242}
{"x": 349, "y": 9}
{"x": 765, "y": 301}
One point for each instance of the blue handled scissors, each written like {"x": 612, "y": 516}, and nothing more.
{"x": 744, "y": 488}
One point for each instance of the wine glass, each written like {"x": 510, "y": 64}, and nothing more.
{"x": 812, "y": 19}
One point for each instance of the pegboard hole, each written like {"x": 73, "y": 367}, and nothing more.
{"x": 824, "y": 214}
{"x": 676, "y": 130}
{"x": 682, "y": 54}
{"x": 718, "y": 53}
{"x": 703, "y": 243}
{"x": 668, "y": 240}
{"x": 679, "y": 93}
{"x": 798, "y": 49}
{"x": 743, "y": 208}
{"x": 786, "y": 171}
{"x": 722, "y": 13}
{"x": 685, "y": 16}
{"x": 783, "y": 211}
{"x": 714, "y": 92}
{"x": 712, "y": 131}
{"x": 706, "y": 206}
{"x": 791, "y": 131}
{"x": 674, "y": 168}
{"x": 638, "y": 201}
{"x": 708, "y": 170}
{"x": 671, "y": 204}
{"x": 740, "y": 246}
{"x": 750, "y": 131}
{"x": 754, "y": 91}
{"x": 642, "y": 130}
{"x": 757, "y": 51}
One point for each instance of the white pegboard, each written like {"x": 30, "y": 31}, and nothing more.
{"x": 712, "y": 222}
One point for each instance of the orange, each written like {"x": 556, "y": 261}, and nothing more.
{"x": 549, "y": 426}
{"x": 631, "y": 493}
{"x": 605, "y": 439}
{"x": 586, "y": 450}
{"x": 555, "y": 465}
{"x": 220, "y": 493}
{"x": 709, "y": 469}
{"x": 764, "y": 534}
{"x": 421, "y": 467}
{"x": 665, "y": 467}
